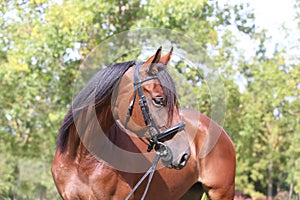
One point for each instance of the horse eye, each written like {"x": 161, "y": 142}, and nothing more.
{"x": 159, "y": 101}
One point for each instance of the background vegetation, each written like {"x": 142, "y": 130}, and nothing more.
{"x": 37, "y": 71}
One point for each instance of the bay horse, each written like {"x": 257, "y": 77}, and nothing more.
{"x": 120, "y": 120}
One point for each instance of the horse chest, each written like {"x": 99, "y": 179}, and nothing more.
{"x": 168, "y": 184}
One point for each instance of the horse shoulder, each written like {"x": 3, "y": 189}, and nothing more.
{"x": 215, "y": 152}
{"x": 87, "y": 179}
{"x": 65, "y": 176}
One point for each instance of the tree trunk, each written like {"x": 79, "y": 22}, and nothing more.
{"x": 291, "y": 191}
{"x": 270, "y": 181}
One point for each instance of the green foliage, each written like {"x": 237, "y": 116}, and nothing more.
{"x": 268, "y": 131}
{"x": 37, "y": 73}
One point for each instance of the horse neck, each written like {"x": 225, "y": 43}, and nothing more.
{"x": 86, "y": 131}
{"x": 106, "y": 119}
{"x": 97, "y": 132}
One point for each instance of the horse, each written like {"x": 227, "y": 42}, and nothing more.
{"x": 127, "y": 120}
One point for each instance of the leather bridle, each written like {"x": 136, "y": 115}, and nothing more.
{"x": 156, "y": 136}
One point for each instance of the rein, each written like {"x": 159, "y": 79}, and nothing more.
{"x": 161, "y": 152}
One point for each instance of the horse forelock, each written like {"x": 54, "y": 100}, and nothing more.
{"x": 96, "y": 93}
{"x": 169, "y": 91}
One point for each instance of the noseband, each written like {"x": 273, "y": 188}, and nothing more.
{"x": 156, "y": 135}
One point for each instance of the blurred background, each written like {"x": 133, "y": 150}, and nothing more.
{"x": 255, "y": 46}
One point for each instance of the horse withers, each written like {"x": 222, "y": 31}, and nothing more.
{"x": 120, "y": 120}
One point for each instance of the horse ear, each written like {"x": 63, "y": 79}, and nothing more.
{"x": 154, "y": 59}
{"x": 166, "y": 58}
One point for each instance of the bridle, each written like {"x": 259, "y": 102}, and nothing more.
{"x": 156, "y": 135}
{"x": 156, "y": 140}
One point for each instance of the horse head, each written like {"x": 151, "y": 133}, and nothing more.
{"x": 146, "y": 104}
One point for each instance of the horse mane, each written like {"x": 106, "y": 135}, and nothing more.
{"x": 99, "y": 90}
{"x": 96, "y": 92}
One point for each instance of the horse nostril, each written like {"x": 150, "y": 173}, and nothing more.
{"x": 184, "y": 158}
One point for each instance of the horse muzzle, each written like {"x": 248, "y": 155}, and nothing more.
{"x": 168, "y": 159}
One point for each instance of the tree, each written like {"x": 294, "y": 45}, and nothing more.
{"x": 42, "y": 46}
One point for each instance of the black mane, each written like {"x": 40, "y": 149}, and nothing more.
{"x": 98, "y": 89}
